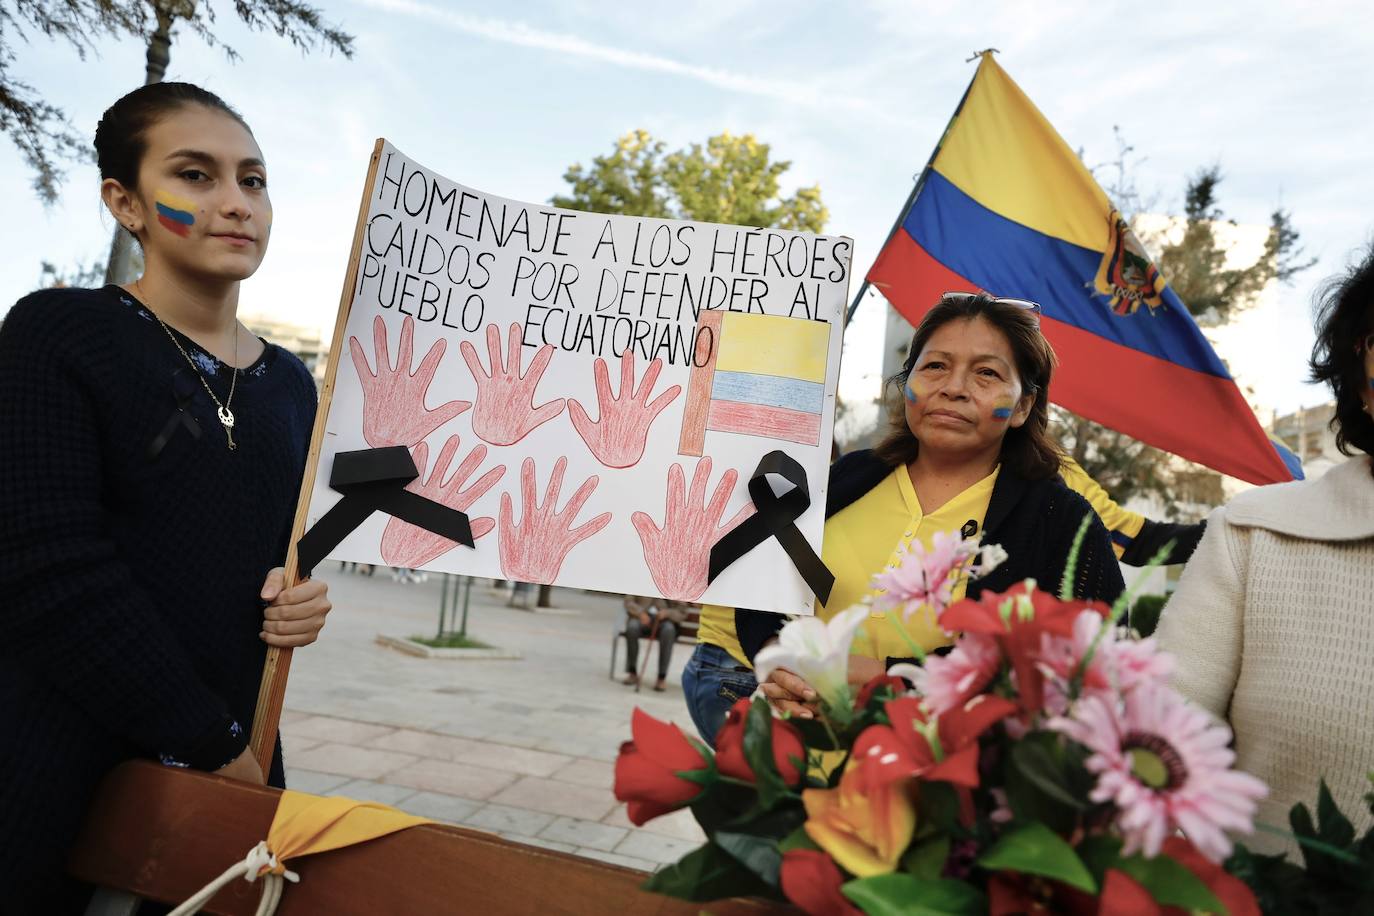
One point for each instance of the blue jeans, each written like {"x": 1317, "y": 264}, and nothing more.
{"x": 713, "y": 681}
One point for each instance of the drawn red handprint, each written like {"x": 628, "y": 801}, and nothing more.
{"x": 409, "y": 546}
{"x": 679, "y": 553}
{"x": 534, "y": 550}
{"x": 505, "y": 411}
{"x": 394, "y": 411}
{"x": 617, "y": 437}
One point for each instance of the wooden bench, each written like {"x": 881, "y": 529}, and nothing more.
{"x": 164, "y": 833}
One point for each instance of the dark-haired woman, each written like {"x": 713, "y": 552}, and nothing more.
{"x": 1272, "y": 625}
{"x": 151, "y": 453}
{"x": 969, "y": 451}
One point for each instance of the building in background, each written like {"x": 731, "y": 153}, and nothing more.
{"x": 307, "y": 343}
{"x": 1308, "y": 433}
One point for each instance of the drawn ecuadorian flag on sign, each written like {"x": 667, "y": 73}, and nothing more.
{"x": 756, "y": 375}
{"x": 174, "y": 213}
{"x": 1007, "y": 207}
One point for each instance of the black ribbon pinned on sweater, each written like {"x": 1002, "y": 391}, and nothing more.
{"x": 374, "y": 480}
{"x": 775, "y": 517}
{"x": 184, "y": 390}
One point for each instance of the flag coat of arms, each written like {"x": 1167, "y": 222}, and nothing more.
{"x": 1006, "y": 206}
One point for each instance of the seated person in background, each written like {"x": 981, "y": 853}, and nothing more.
{"x": 641, "y": 616}
{"x": 969, "y": 451}
{"x": 1272, "y": 625}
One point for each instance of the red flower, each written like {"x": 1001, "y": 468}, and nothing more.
{"x": 646, "y": 772}
{"x": 811, "y": 880}
{"x": 787, "y": 747}
{"x": 906, "y": 748}
{"x": 1016, "y": 619}
{"x": 882, "y": 680}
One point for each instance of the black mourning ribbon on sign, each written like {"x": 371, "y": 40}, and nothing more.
{"x": 374, "y": 480}
{"x": 775, "y": 517}
{"x": 184, "y": 390}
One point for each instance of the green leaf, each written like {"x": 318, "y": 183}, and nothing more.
{"x": 937, "y": 808}
{"x": 706, "y": 873}
{"x": 1099, "y": 853}
{"x": 1029, "y": 805}
{"x": 927, "y": 860}
{"x": 906, "y": 895}
{"x": 1071, "y": 564}
{"x": 1043, "y": 769}
{"x": 758, "y": 854}
{"x": 758, "y": 752}
{"x": 722, "y": 803}
{"x": 813, "y": 733}
{"x": 775, "y": 822}
{"x": 1170, "y": 883}
{"x": 1333, "y": 826}
{"x": 797, "y": 839}
{"x": 1037, "y": 850}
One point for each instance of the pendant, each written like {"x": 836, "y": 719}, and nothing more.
{"x": 226, "y": 419}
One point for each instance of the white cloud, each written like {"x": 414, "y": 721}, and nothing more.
{"x": 791, "y": 91}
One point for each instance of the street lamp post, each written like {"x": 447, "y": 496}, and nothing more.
{"x": 120, "y": 268}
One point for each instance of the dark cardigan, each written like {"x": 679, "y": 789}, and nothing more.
{"x": 131, "y": 555}
{"x": 1033, "y": 520}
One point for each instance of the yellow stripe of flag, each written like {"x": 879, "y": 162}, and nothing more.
{"x": 774, "y": 345}
{"x": 1004, "y": 154}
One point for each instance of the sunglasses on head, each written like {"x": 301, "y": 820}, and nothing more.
{"x": 1033, "y": 307}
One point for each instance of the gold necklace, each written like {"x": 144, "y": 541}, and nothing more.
{"x": 226, "y": 416}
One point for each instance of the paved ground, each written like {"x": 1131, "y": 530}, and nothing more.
{"x": 520, "y": 748}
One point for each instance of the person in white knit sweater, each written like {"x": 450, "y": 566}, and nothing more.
{"x": 1272, "y": 625}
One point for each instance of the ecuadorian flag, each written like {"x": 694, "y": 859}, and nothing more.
{"x": 756, "y": 375}
{"x": 1007, "y": 207}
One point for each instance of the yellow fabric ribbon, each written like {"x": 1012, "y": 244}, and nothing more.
{"x": 307, "y": 824}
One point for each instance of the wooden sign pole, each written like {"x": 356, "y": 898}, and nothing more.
{"x": 272, "y": 691}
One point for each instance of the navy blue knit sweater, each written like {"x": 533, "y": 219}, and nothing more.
{"x": 129, "y": 568}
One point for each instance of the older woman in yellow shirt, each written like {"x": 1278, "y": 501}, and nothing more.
{"x": 719, "y": 672}
{"x": 970, "y": 451}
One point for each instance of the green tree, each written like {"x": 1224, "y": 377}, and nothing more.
{"x": 40, "y": 129}
{"x": 730, "y": 179}
{"x": 1194, "y": 264}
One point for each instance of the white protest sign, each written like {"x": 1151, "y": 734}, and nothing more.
{"x": 593, "y": 391}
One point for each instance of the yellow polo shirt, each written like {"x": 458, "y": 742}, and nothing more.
{"x": 860, "y": 541}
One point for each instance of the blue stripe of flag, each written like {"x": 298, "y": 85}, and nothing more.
{"x": 180, "y": 216}
{"x": 1009, "y": 259}
{"x": 768, "y": 390}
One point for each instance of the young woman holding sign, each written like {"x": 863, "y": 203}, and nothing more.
{"x": 151, "y": 453}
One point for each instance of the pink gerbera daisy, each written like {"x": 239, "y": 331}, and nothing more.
{"x": 925, "y": 576}
{"x": 1117, "y": 664}
{"x": 953, "y": 679}
{"x": 1165, "y": 765}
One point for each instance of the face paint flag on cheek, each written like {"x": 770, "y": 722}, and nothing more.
{"x": 908, "y": 393}
{"x": 1001, "y": 410}
{"x": 174, "y": 213}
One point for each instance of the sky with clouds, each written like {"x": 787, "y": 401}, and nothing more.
{"x": 504, "y": 97}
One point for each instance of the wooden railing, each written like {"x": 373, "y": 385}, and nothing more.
{"x": 164, "y": 833}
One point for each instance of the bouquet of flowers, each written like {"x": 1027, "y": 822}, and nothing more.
{"x": 1042, "y": 765}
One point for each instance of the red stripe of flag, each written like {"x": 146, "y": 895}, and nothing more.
{"x": 761, "y": 420}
